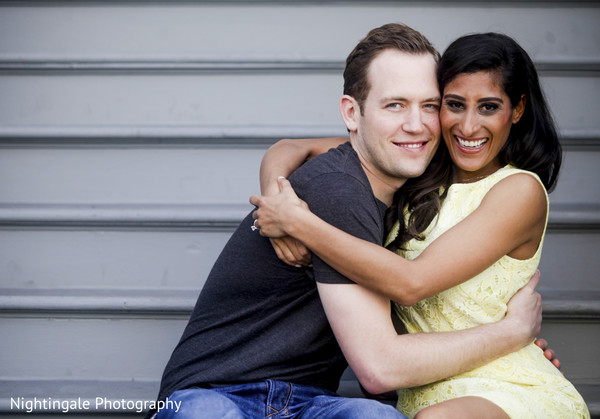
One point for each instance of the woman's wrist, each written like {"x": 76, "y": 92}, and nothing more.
{"x": 295, "y": 221}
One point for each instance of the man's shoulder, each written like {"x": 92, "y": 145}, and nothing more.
{"x": 338, "y": 168}
{"x": 337, "y": 189}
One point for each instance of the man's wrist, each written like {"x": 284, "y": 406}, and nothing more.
{"x": 512, "y": 333}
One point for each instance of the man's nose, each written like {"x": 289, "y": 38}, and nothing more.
{"x": 413, "y": 122}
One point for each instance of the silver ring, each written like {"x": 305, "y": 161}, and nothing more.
{"x": 253, "y": 226}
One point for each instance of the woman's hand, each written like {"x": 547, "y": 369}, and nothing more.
{"x": 275, "y": 212}
{"x": 271, "y": 216}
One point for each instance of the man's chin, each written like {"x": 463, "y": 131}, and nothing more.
{"x": 411, "y": 172}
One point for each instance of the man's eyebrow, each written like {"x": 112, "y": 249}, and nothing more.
{"x": 403, "y": 99}
{"x": 394, "y": 98}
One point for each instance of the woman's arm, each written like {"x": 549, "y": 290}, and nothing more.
{"x": 281, "y": 159}
{"x": 510, "y": 220}
{"x": 285, "y": 156}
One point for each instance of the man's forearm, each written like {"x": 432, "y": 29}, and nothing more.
{"x": 429, "y": 357}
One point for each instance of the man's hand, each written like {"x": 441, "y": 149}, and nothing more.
{"x": 525, "y": 310}
{"x": 548, "y": 353}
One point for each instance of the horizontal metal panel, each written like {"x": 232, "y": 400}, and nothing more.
{"x": 102, "y": 303}
{"x": 117, "y": 303}
{"x": 98, "y": 259}
{"x": 137, "y": 349}
{"x": 231, "y": 29}
{"x": 116, "y": 349}
{"x": 574, "y": 217}
{"x": 577, "y": 181}
{"x": 571, "y": 101}
{"x": 129, "y": 176}
{"x": 210, "y": 100}
{"x": 570, "y": 262}
{"x": 173, "y": 136}
{"x": 239, "y": 66}
{"x": 205, "y": 217}
{"x": 577, "y": 361}
{"x": 71, "y": 259}
{"x": 217, "y": 217}
{"x": 181, "y": 176}
{"x": 227, "y": 101}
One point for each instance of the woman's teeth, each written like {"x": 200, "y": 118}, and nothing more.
{"x": 471, "y": 144}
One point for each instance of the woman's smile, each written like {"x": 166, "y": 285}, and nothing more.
{"x": 470, "y": 145}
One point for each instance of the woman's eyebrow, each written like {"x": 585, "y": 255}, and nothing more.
{"x": 483, "y": 99}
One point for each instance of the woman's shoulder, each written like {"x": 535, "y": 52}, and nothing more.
{"x": 525, "y": 176}
{"x": 515, "y": 186}
{"x": 521, "y": 181}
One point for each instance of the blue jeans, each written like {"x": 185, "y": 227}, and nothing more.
{"x": 272, "y": 399}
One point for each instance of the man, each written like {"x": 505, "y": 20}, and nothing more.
{"x": 259, "y": 342}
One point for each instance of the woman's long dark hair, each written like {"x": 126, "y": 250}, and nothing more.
{"x": 532, "y": 143}
{"x": 421, "y": 197}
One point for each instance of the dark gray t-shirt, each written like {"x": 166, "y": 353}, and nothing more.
{"x": 258, "y": 318}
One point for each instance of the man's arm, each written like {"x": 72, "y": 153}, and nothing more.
{"x": 383, "y": 360}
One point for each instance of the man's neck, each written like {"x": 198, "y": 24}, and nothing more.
{"x": 384, "y": 187}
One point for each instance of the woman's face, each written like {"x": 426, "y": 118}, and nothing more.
{"x": 476, "y": 117}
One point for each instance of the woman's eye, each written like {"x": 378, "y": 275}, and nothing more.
{"x": 488, "y": 107}
{"x": 454, "y": 105}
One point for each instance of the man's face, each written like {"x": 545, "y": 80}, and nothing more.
{"x": 398, "y": 131}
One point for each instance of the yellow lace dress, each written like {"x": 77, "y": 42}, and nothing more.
{"x": 525, "y": 384}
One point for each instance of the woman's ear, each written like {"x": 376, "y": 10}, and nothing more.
{"x": 519, "y": 109}
{"x": 350, "y": 110}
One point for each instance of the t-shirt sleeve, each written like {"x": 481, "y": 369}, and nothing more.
{"x": 345, "y": 202}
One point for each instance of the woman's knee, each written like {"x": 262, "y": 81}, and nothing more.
{"x": 463, "y": 408}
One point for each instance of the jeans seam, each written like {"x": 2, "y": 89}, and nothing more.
{"x": 287, "y": 403}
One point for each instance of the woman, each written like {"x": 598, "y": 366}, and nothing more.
{"x": 486, "y": 240}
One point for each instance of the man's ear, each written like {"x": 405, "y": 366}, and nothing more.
{"x": 350, "y": 111}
